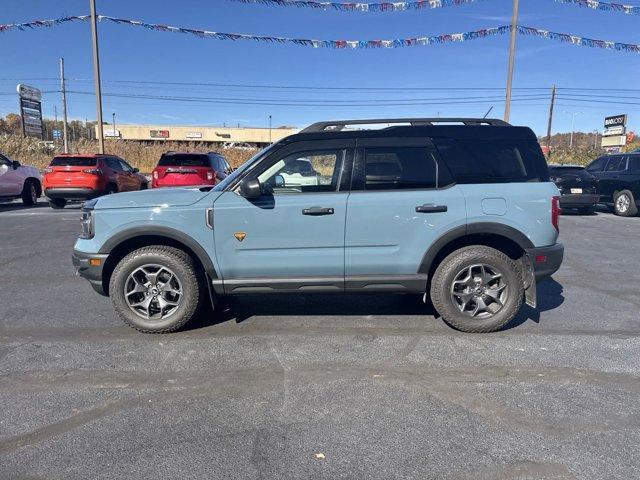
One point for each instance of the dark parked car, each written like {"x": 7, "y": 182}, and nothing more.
{"x": 618, "y": 181}
{"x": 578, "y": 187}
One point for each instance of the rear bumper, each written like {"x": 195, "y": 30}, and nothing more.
{"x": 93, "y": 273}
{"x": 577, "y": 200}
{"x": 546, "y": 261}
{"x": 71, "y": 193}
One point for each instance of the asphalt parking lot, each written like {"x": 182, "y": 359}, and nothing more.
{"x": 327, "y": 387}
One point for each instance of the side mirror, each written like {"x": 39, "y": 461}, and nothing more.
{"x": 136, "y": 170}
{"x": 15, "y": 164}
{"x": 280, "y": 181}
{"x": 250, "y": 189}
{"x": 4, "y": 169}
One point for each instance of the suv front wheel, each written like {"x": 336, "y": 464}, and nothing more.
{"x": 156, "y": 289}
{"x": 477, "y": 289}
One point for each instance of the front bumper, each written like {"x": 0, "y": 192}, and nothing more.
{"x": 93, "y": 273}
{"x": 72, "y": 193}
{"x": 578, "y": 200}
{"x": 546, "y": 261}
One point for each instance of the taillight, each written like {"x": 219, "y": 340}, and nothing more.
{"x": 155, "y": 174}
{"x": 210, "y": 175}
{"x": 555, "y": 212}
{"x": 47, "y": 170}
{"x": 92, "y": 171}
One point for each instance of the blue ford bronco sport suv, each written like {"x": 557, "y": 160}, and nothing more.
{"x": 461, "y": 210}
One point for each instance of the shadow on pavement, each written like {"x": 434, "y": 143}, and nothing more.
{"x": 549, "y": 297}
{"x": 241, "y": 308}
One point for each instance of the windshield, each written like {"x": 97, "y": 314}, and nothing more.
{"x": 242, "y": 168}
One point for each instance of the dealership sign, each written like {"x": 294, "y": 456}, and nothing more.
{"x": 615, "y": 121}
{"x": 30, "y": 110}
{"x": 194, "y": 135}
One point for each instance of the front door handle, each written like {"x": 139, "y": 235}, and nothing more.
{"x": 317, "y": 211}
{"x": 431, "y": 208}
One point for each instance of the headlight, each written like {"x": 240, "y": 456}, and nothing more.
{"x": 87, "y": 230}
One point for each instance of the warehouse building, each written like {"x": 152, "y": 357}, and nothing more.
{"x": 221, "y": 136}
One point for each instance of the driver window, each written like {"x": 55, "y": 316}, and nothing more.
{"x": 302, "y": 172}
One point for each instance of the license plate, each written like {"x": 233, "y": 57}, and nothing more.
{"x": 576, "y": 190}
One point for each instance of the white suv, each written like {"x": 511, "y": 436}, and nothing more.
{"x": 19, "y": 181}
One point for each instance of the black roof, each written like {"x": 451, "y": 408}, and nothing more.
{"x": 466, "y": 132}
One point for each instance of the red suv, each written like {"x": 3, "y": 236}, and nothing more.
{"x": 181, "y": 169}
{"x": 80, "y": 177}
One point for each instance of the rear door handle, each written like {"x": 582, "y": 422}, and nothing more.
{"x": 317, "y": 211}
{"x": 430, "y": 208}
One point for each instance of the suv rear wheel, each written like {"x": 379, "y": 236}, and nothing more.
{"x": 477, "y": 289}
{"x": 624, "y": 204}
{"x": 156, "y": 289}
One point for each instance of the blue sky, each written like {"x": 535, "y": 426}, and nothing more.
{"x": 129, "y": 53}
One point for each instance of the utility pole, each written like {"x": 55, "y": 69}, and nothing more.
{"x": 64, "y": 107}
{"x": 96, "y": 74}
{"x": 512, "y": 55}
{"x": 269, "y": 129}
{"x": 551, "y": 105}
{"x": 113, "y": 117}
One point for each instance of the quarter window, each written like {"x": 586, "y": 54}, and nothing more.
{"x": 634, "y": 164}
{"x": 304, "y": 172}
{"x": 493, "y": 161}
{"x": 397, "y": 168}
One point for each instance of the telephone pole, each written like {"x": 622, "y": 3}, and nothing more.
{"x": 551, "y": 105}
{"x": 96, "y": 74}
{"x": 512, "y": 55}
{"x": 64, "y": 107}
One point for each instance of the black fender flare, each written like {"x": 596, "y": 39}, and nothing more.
{"x": 472, "y": 229}
{"x": 166, "y": 232}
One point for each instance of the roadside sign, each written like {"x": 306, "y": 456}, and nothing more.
{"x": 616, "y": 141}
{"x": 30, "y": 110}
{"x": 615, "y": 121}
{"x": 617, "y": 130}
{"x": 57, "y": 134}
{"x": 112, "y": 133}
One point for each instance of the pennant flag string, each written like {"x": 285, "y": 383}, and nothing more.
{"x": 41, "y": 23}
{"x": 604, "y": 6}
{"x": 346, "y": 44}
{"x": 363, "y": 7}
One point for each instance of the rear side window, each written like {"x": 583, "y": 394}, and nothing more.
{"x": 493, "y": 161}
{"x": 396, "y": 168}
{"x": 184, "y": 160}
{"x": 73, "y": 162}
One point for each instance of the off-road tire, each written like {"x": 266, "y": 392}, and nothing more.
{"x": 111, "y": 188}
{"x": 144, "y": 186}
{"x": 632, "y": 209}
{"x": 182, "y": 265}
{"x": 445, "y": 274}
{"x": 29, "y": 193}
{"x": 57, "y": 203}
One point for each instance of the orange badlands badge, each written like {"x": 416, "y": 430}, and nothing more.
{"x": 240, "y": 236}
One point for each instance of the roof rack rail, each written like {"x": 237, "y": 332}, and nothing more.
{"x": 339, "y": 125}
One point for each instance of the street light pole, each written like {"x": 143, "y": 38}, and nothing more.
{"x": 512, "y": 55}
{"x": 269, "y": 129}
{"x": 96, "y": 74}
{"x": 113, "y": 117}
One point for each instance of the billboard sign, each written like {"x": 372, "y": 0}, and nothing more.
{"x": 30, "y": 110}
{"x": 159, "y": 133}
